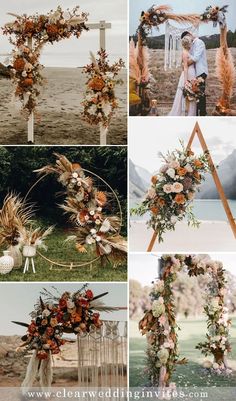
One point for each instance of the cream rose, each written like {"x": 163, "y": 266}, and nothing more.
{"x": 177, "y": 187}
{"x": 167, "y": 188}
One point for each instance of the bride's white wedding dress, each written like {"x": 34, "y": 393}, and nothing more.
{"x": 179, "y": 105}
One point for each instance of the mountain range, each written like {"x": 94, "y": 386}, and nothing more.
{"x": 140, "y": 180}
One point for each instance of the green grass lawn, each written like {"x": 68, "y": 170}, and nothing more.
{"x": 66, "y": 253}
{"x": 190, "y": 375}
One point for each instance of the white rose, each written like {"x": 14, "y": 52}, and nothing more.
{"x": 167, "y": 188}
{"x": 174, "y": 164}
{"x": 189, "y": 168}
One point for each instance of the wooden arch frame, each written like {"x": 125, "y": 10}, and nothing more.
{"x": 198, "y": 132}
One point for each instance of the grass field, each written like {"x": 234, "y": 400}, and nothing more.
{"x": 191, "y": 374}
{"x": 66, "y": 253}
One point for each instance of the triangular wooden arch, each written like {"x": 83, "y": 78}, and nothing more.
{"x": 197, "y": 131}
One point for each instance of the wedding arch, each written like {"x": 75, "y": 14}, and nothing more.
{"x": 157, "y": 15}
{"x": 29, "y": 34}
{"x": 159, "y": 323}
{"x": 174, "y": 187}
{"x": 101, "y": 344}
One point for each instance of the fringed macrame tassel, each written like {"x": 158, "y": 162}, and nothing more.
{"x": 31, "y": 372}
{"x": 46, "y": 373}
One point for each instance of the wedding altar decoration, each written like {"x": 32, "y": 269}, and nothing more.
{"x": 54, "y": 315}
{"x": 85, "y": 204}
{"x": 28, "y": 34}
{"x": 173, "y": 189}
{"x": 160, "y": 326}
{"x": 100, "y": 101}
{"x": 18, "y": 230}
{"x": 225, "y": 70}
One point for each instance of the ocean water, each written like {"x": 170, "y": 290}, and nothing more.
{"x": 204, "y": 209}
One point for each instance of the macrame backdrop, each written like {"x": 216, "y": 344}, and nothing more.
{"x": 102, "y": 356}
{"x": 173, "y": 43}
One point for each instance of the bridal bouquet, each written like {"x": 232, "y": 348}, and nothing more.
{"x": 194, "y": 89}
{"x": 69, "y": 312}
{"x": 173, "y": 189}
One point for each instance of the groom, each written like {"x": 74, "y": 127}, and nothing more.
{"x": 199, "y": 58}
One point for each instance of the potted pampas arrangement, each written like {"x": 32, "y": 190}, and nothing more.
{"x": 14, "y": 215}
{"x": 31, "y": 239}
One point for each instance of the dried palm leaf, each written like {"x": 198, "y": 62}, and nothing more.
{"x": 101, "y": 307}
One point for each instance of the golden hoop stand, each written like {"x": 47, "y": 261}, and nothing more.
{"x": 197, "y": 131}
{"x": 71, "y": 265}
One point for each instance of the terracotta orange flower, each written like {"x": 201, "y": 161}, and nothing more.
{"x": 161, "y": 202}
{"x": 190, "y": 153}
{"x": 52, "y": 29}
{"x": 96, "y": 83}
{"x": 180, "y": 199}
{"x": 155, "y": 210}
{"x": 28, "y": 82}
{"x": 101, "y": 198}
{"x": 19, "y": 64}
{"x": 181, "y": 171}
{"x": 154, "y": 179}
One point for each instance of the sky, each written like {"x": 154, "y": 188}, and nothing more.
{"x": 182, "y": 7}
{"x": 74, "y": 52}
{"x": 149, "y": 136}
{"x": 17, "y": 300}
{"x": 144, "y": 267}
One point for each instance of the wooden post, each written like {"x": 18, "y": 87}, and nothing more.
{"x": 197, "y": 131}
{"x": 102, "y": 26}
{"x": 31, "y": 117}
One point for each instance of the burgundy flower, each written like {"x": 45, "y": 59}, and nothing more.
{"x": 187, "y": 183}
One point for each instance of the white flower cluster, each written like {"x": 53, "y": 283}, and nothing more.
{"x": 158, "y": 307}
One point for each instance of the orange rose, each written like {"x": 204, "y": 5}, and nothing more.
{"x": 181, "y": 171}
{"x": 101, "y": 198}
{"x": 27, "y": 82}
{"x": 96, "y": 83}
{"x": 180, "y": 199}
{"x": 19, "y": 64}
{"x": 154, "y": 179}
{"x": 190, "y": 153}
{"x": 197, "y": 163}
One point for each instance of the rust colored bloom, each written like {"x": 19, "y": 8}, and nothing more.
{"x": 190, "y": 153}
{"x": 181, "y": 171}
{"x": 161, "y": 202}
{"x": 52, "y": 29}
{"x": 19, "y": 64}
{"x": 63, "y": 303}
{"x": 49, "y": 331}
{"x": 29, "y": 26}
{"x": 42, "y": 355}
{"x": 28, "y": 82}
{"x": 96, "y": 83}
{"x": 101, "y": 198}
{"x": 89, "y": 294}
{"x": 180, "y": 199}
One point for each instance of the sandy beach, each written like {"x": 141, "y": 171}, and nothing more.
{"x": 211, "y": 236}
{"x": 164, "y": 83}
{"x": 60, "y": 109}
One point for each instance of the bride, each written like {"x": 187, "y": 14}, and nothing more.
{"x": 180, "y": 106}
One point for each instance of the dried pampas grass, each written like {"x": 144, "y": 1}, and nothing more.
{"x": 134, "y": 70}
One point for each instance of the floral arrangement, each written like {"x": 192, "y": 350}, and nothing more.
{"x": 159, "y": 323}
{"x": 85, "y": 204}
{"x": 31, "y": 33}
{"x": 173, "y": 189}
{"x": 15, "y": 214}
{"x": 59, "y": 314}
{"x": 100, "y": 100}
{"x": 215, "y": 14}
{"x": 194, "y": 89}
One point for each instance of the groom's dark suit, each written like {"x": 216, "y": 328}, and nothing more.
{"x": 199, "y": 57}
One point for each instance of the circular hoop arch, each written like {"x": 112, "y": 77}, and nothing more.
{"x": 71, "y": 265}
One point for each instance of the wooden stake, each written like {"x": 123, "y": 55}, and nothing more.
{"x": 197, "y": 131}
{"x": 103, "y": 134}
{"x": 31, "y": 117}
